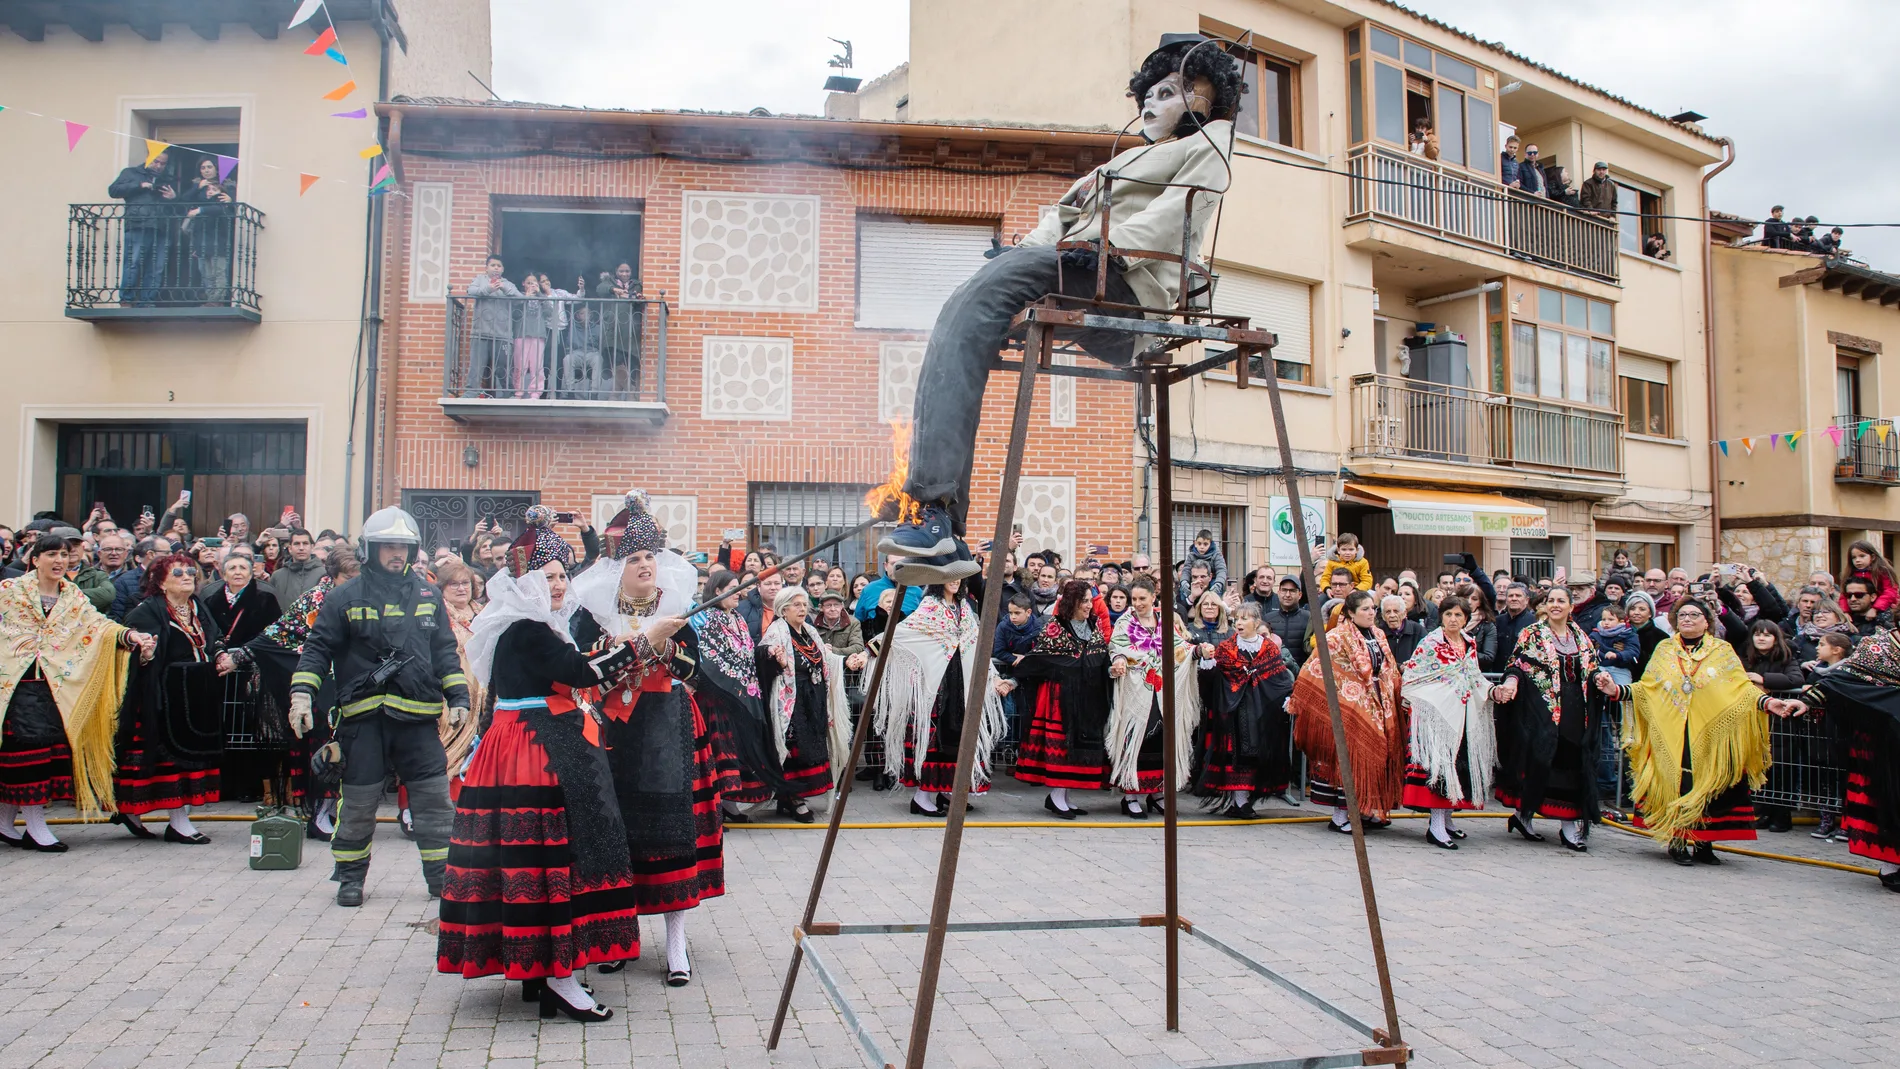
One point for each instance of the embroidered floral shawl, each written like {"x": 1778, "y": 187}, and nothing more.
{"x": 1537, "y": 658}
{"x": 921, "y": 650}
{"x": 77, "y": 649}
{"x": 1450, "y": 701}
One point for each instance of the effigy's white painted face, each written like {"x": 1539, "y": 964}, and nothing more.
{"x": 1162, "y": 108}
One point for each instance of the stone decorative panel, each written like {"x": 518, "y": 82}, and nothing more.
{"x": 1046, "y": 510}
{"x": 1785, "y": 556}
{"x": 898, "y": 363}
{"x": 747, "y": 378}
{"x": 430, "y": 204}
{"x": 677, "y": 514}
{"x": 1062, "y": 394}
{"x": 740, "y": 251}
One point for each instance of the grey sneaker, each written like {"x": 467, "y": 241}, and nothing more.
{"x": 930, "y": 536}
{"x": 932, "y": 571}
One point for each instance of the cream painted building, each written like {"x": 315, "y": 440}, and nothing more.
{"x": 238, "y": 366}
{"x": 1799, "y": 344}
{"x": 1547, "y": 325}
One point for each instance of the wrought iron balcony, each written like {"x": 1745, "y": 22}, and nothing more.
{"x": 1426, "y": 195}
{"x": 1869, "y": 451}
{"x": 586, "y": 358}
{"x": 1403, "y": 418}
{"x": 162, "y": 261}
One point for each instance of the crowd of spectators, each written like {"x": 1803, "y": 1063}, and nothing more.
{"x": 178, "y": 232}
{"x": 534, "y": 339}
{"x": 1800, "y": 235}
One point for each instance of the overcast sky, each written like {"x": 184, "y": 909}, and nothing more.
{"x": 1805, "y": 90}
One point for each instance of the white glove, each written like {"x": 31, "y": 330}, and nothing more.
{"x": 300, "y": 719}
{"x": 457, "y": 714}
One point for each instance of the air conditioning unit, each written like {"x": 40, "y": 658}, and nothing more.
{"x": 1385, "y": 435}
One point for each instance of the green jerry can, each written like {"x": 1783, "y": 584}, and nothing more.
{"x": 276, "y": 839}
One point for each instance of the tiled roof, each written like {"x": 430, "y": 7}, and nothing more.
{"x": 525, "y": 105}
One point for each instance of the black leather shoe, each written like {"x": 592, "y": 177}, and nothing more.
{"x": 27, "y": 842}
{"x": 135, "y": 825}
{"x": 552, "y": 1003}
{"x": 196, "y": 838}
{"x": 795, "y": 809}
{"x": 611, "y": 966}
{"x": 14, "y": 840}
{"x": 679, "y": 977}
{"x": 733, "y": 818}
{"x": 1680, "y": 855}
{"x": 1129, "y": 810}
{"x": 1442, "y": 844}
{"x": 1581, "y": 846}
{"x": 1454, "y": 833}
{"x": 1705, "y": 855}
{"x": 1522, "y": 828}
{"x": 531, "y": 989}
{"x": 917, "y": 810}
{"x": 943, "y": 802}
{"x": 1375, "y": 824}
{"x": 1343, "y": 829}
{"x": 349, "y": 894}
{"x": 1891, "y": 881}
{"x": 1064, "y": 814}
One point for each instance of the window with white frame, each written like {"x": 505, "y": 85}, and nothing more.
{"x": 907, "y": 268}
{"x": 1282, "y": 306}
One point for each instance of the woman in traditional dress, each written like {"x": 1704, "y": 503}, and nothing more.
{"x": 728, "y": 694}
{"x": 1247, "y": 751}
{"x": 458, "y": 583}
{"x": 63, "y": 670}
{"x": 171, "y": 731}
{"x": 657, "y": 743}
{"x": 811, "y": 720}
{"x": 922, "y": 701}
{"x": 1697, "y": 739}
{"x": 271, "y": 659}
{"x": 1454, "y": 744}
{"x": 1064, "y": 680}
{"x": 1861, "y": 696}
{"x": 538, "y": 885}
{"x": 1547, "y": 737}
{"x": 1366, "y": 677}
{"x": 1134, "y": 737}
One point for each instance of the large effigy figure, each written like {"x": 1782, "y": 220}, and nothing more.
{"x": 1188, "y": 91}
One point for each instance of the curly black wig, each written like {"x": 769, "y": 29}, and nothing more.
{"x": 1205, "y": 60}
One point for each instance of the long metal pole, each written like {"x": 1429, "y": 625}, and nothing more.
{"x": 1035, "y": 354}
{"x": 1164, "y": 552}
{"x": 1316, "y": 626}
{"x": 858, "y": 736}
{"x": 780, "y": 566}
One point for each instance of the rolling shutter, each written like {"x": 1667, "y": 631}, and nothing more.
{"x": 1276, "y": 304}
{"x": 1647, "y": 368}
{"x": 907, "y": 270}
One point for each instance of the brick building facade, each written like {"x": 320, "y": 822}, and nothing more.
{"x": 799, "y": 261}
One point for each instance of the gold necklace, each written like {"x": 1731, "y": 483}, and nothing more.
{"x": 632, "y": 606}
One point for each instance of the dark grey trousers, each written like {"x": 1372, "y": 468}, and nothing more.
{"x": 969, "y": 332}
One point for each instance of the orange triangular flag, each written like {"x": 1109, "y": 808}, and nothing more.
{"x": 341, "y": 91}
{"x": 323, "y": 42}
{"x": 152, "y": 149}
{"x": 1749, "y": 444}
{"x": 306, "y": 180}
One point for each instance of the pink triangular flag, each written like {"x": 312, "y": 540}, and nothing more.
{"x": 74, "y": 131}
{"x": 226, "y": 164}
{"x": 381, "y": 173}
{"x": 1833, "y": 431}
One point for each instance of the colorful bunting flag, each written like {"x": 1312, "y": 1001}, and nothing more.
{"x": 1834, "y": 431}
{"x": 152, "y": 149}
{"x": 1749, "y": 445}
{"x": 304, "y": 11}
{"x": 226, "y": 164}
{"x": 359, "y": 113}
{"x": 3, "y": 107}
{"x": 341, "y": 91}
{"x": 371, "y": 152}
{"x": 323, "y": 43}
{"x": 381, "y": 174}
{"x": 1860, "y": 429}
{"x": 306, "y": 180}
{"x": 1773, "y": 441}
{"x": 74, "y": 131}
{"x": 336, "y": 54}
{"x": 1794, "y": 440}
{"x": 1724, "y": 446}
{"x": 1882, "y": 430}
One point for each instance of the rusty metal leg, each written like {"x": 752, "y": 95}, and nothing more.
{"x": 1035, "y": 356}
{"x": 1317, "y": 627}
{"x": 1164, "y": 553}
{"x": 858, "y": 736}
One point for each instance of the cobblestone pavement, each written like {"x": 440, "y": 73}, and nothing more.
{"x": 124, "y": 953}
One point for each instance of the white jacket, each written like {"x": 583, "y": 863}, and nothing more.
{"x": 1144, "y": 215}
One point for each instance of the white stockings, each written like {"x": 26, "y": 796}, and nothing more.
{"x": 676, "y": 959}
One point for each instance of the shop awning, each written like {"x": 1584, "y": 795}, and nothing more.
{"x": 1448, "y": 512}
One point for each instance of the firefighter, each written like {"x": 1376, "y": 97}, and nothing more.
{"x": 385, "y": 636}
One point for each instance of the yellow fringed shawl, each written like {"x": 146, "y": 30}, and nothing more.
{"x": 1728, "y": 733}
{"x": 78, "y": 652}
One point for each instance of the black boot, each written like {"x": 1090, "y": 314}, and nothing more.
{"x": 349, "y": 877}
{"x": 433, "y": 875}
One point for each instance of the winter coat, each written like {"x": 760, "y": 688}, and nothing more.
{"x": 93, "y": 581}
{"x": 1508, "y": 168}
{"x": 1778, "y": 674}
{"x": 1617, "y": 647}
{"x": 292, "y": 580}
{"x": 143, "y": 207}
{"x": 1216, "y": 563}
{"x": 493, "y": 318}
{"x": 1885, "y": 595}
{"x": 125, "y": 587}
{"x": 1597, "y": 195}
{"x": 1288, "y": 627}
{"x": 845, "y": 639}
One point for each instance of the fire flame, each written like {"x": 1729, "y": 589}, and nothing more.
{"x": 888, "y": 502}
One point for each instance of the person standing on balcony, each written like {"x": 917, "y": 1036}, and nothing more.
{"x": 1424, "y": 140}
{"x": 1558, "y": 187}
{"x": 208, "y": 233}
{"x": 531, "y": 340}
{"x": 1530, "y": 176}
{"x": 147, "y": 230}
{"x": 1507, "y": 163}
{"x": 494, "y": 329}
{"x": 1599, "y": 193}
{"x": 1776, "y": 233}
{"x": 620, "y": 325}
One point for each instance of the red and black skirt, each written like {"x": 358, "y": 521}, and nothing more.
{"x": 518, "y": 900}
{"x": 36, "y": 764}
{"x": 1045, "y": 759}
{"x": 1860, "y": 817}
{"x": 939, "y": 772}
{"x": 148, "y": 781}
{"x": 669, "y": 880}
{"x": 1729, "y": 817}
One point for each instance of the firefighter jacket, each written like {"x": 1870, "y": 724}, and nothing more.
{"x": 395, "y": 625}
